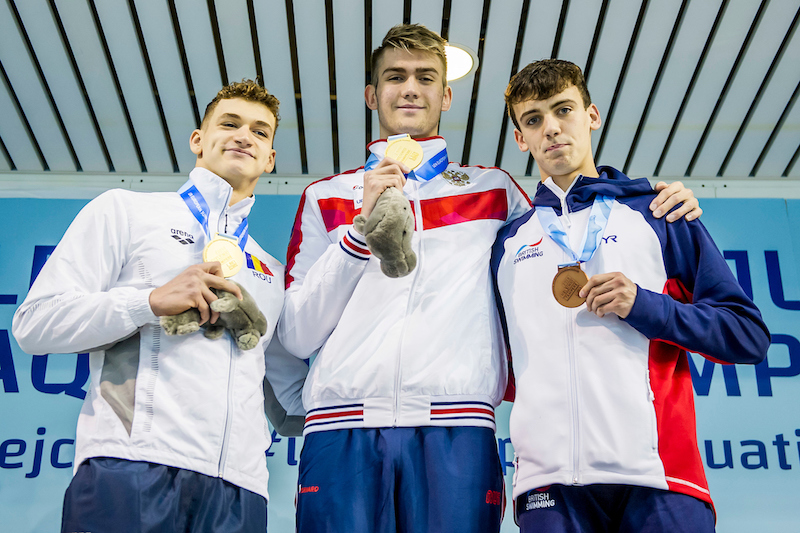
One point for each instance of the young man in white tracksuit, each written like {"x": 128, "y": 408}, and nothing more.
{"x": 172, "y": 435}
{"x": 603, "y": 422}
{"x": 408, "y": 371}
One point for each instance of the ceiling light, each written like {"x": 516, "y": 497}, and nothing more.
{"x": 460, "y": 61}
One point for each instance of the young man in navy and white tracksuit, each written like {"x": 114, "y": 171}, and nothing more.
{"x": 400, "y": 398}
{"x": 172, "y": 435}
{"x": 603, "y": 422}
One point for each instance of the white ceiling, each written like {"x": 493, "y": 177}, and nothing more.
{"x": 102, "y": 91}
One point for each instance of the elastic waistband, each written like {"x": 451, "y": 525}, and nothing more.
{"x": 473, "y": 411}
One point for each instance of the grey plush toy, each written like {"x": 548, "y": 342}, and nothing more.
{"x": 243, "y": 319}
{"x": 388, "y": 232}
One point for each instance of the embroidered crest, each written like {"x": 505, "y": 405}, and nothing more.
{"x": 455, "y": 178}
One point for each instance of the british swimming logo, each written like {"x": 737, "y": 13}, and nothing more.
{"x": 529, "y": 251}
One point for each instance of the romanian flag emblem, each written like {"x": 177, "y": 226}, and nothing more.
{"x": 254, "y": 263}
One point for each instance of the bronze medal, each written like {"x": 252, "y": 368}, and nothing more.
{"x": 406, "y": 151}
{"x": 567, "y": 284}
{"x": 225, "y": 250}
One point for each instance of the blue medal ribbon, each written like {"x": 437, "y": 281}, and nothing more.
{"x": 427, "y": 171}
{"x": 598, "y": 219}
{"x": 198, "y": 206}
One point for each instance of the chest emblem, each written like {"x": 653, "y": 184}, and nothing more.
{"x": 456, "y": 178}
{"x": 182, "y": 236}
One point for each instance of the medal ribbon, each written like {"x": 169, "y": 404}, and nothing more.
{"x": 427, "y": 171}
{"x": 598, "y": 219}
{"x": 197, "y": 204}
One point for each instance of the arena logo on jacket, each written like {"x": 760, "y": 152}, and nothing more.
{"x": 258, "y": 268}
{"x": 529, "y": 251}
{"x": 183, "y": 237}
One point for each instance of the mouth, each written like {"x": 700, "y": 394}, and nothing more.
{"x": 239, "y": 151}
{"x": 553, "y": 147}
{"x": 410, "y": 107}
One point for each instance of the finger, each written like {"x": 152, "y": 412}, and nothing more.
{"x": 214, "y": 316}
{"x": 222, "y": 284}
{"x": 687, "y": 207}
{"x": 660, "y": 186}
{"x": 202, "y": 306}
{"x": 389, "y": 162}
{"x": 212, "y": 267}
{"x": 665, "y": 200}
{"x": 594, "y": 281}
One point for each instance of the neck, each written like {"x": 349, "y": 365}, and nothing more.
{"x": 385, "y": 134}
{"x": 242, "y": 188}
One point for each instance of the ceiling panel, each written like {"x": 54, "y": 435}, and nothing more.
{"x": 97, "y": 87}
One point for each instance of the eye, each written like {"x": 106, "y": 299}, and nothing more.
{"x": 532, "y": 121}
{"x": 261, "y": 133}
{"x": 564, "y": 110}
{"x": 228, "y": 125}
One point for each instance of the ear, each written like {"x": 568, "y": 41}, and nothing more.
{"x": 447, "y": 98}
{"x": 594, "y": 117}
{"x": 271, "y": 163}
{"x": 195, "y": 143}
{"x": 371, "y": 97}
{"x": 523, "y": 146}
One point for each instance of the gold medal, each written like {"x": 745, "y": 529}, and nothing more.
{"x": 225, "y": 250}
{"x": 567, "y": 284}
{"x": 406, "y": 151}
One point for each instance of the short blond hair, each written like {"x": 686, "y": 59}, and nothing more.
{"x": 246, "y": 90}
{"x": 410, "y": 37}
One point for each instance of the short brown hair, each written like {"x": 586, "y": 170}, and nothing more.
{"x": 542, "y": 79}
{"x": 246, "y": 90}
{"x": 409, "y": 37}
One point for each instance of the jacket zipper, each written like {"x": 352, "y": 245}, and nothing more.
{"x": 573, "y": 366}
{"x": 398, "y": 367}
{"x": 223, "y": 454}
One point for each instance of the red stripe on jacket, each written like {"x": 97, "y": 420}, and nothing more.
{"x": 671, "y": 382}
{"x": 338, "y": 414}
{"x": 337, "y": 211}
{"x": 449, "y": 210}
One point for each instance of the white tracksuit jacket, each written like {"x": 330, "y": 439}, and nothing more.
{"x": 422, "y": 350}
{"x": 605, "y": 400}
{"x": 190, "y": 402}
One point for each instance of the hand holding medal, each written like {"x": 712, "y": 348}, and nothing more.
{"x": 405, "y": 150}
{"x": 567, "y": 285}
{"x": 225, "y": 250}
{"x": 570, "y": 278}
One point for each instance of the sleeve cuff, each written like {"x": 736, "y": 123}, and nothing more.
{"x": 139, "y": 308}
{"x": 355, "y": 245}
{"x": 648, "y": 314}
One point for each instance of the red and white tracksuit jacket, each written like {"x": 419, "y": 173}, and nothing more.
{"x": 423, "y": 350}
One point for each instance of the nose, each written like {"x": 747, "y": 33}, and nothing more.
{"x": 243, "y": 136}
{"x": 411, "y": 87}
{"x": 551, "y": 125}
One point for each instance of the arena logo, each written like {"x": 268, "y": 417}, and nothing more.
{"x": 529, "y": 251}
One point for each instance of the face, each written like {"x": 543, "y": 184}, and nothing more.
{"x": 410, "y": 95}
{"x": 558, "y": 133}
{"x": 235, "y": 143}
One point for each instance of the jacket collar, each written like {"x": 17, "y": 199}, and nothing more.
{"x": 581, "y": 193}
{"x": 217, "y": 193}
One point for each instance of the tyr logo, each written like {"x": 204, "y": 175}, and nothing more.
{"x": 612, "y": 238}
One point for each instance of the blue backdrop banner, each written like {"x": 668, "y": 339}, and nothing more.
{"x": 748, "y": 421}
